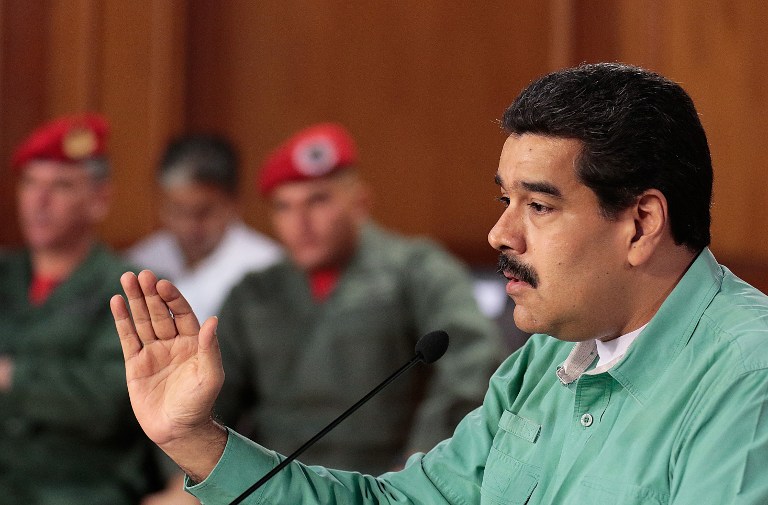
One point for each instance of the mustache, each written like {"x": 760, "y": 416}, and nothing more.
{"x": 518, "y": 269}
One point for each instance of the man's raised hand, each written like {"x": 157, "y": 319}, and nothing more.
{"x": 173, "y": 369}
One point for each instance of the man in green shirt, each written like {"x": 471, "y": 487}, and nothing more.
{"x": 66, "y": 433}
{"x": 655, "y": 386}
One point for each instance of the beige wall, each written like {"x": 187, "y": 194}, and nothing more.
{"x": 420, "y": 84}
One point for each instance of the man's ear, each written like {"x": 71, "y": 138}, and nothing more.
{"x": 650, "y": 214}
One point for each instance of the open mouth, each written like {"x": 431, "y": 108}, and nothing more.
{"x": 517, "y": 272}
{"x": 516, "y": 280}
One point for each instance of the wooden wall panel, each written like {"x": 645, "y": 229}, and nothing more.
{"x": 126, "y": 60}
{"x": 22, "y": 83}
{"x": 74, "y": 43}
{"x": 420, "y": 85}
{"x": 143, "y": 76}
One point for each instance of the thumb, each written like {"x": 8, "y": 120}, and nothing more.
{"x": 208, "y": 353}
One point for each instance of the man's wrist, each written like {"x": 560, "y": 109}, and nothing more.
{"x": 199, "y": 451}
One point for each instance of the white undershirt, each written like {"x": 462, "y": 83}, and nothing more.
{"x": 616, "y": 348}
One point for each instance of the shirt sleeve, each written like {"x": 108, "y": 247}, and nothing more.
{"x": 451, "y": 473}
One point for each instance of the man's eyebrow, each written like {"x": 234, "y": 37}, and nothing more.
{"x": 542, "y": 187}
{"x": 534, "y": 187}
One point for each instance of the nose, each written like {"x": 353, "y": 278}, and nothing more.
{"x": 508, "y": 233}
{"x": 38, "y": 196}
{"x": 303, "y": 223}
{"x": 293, "y": 224}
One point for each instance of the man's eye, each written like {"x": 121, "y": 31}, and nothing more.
{"x": 539, "y": 208}
{"x": 504, "y": 200}
{"x": 64, "y": 186}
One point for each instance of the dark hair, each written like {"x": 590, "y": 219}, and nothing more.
{"x": 201, "y": 158}
{"x": 638, "y": 129}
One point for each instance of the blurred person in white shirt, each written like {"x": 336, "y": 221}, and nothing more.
{"x": 204, "y": 246}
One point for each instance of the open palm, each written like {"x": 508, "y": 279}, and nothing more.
{"x": 173, "y": 366}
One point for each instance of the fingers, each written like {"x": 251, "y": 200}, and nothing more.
{"x": 162, "y": 322}
{"x": 184, "y": 319}
{"x": 159, "y": 310}
{"x": 141, "y": 318}
{"x": 129, "y": 340}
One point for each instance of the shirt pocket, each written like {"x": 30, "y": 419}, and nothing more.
{"x": 507, "y": 479}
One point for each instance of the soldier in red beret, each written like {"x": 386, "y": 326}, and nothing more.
{"x": 65, "y": 430}
{"x": 305, "y": 339}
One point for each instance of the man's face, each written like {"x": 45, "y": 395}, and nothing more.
{"x": 566, "y": 263}
{"x": 318, "y": 221}
{"x": 59, "y": 204}
{"x": 197, "y": 215}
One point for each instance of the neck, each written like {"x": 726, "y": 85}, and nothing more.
{"x": 656, "y": 285}
{"x": 60, "y": 263}
{"x": 191, "y": 261}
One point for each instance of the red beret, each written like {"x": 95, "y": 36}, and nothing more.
{"x": 68, "y": 139}
{"x": 313, "y": 152}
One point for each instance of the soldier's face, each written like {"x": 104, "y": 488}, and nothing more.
{"x": 318, "y": 221}
{"x": 59, "y": 204}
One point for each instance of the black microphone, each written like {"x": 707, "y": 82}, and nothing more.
{"x": 429, "y": 349}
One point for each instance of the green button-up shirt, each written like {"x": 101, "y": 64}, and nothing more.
{"x": 682, "y": 419}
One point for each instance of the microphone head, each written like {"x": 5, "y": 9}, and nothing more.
{"x": 432, "y": 346}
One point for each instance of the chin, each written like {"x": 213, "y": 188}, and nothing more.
{"x": 40, "y": 241}
{"x": 311, "y": 262}
{"x": 526, "y": 322}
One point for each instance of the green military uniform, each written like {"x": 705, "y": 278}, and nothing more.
{"x": 680, "y": 420}
{"x": 67, "y": 434}
{"x": 296, "y": 363}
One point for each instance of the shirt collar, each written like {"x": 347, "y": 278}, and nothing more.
{"x": 663, "y": 338}
{"x": 613, "y": 350}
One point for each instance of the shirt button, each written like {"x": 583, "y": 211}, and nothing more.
{"x": 586, "y": 420}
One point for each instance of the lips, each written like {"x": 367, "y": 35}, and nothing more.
{"x": 515, "y": 280}
{"x": 517, "y": 272}
{"x": 515, "y": 287}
